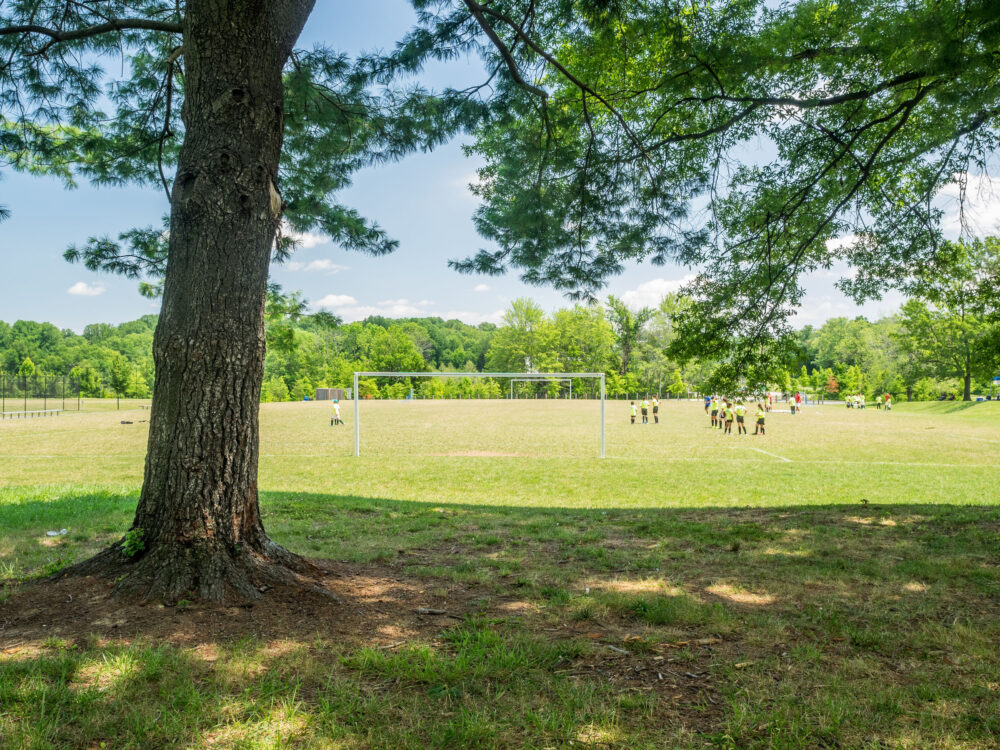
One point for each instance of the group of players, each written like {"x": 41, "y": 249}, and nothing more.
{"x": 724, "y": 411}
{"x": 857, "y": 401}
{"x": 644, "y": 407}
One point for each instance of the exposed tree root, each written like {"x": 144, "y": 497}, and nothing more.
{"x": 202, "y": 570}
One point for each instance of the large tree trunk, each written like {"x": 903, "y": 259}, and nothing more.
{"x": 198, "y": 514}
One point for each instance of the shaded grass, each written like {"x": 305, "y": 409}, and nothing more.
{"x": 760, "y": 603}
{"x": 485, "y": 685}
{"x": 825, "y": 627}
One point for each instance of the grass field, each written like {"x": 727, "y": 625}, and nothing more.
{"x": 833, "y": 584}
{"x": 12, "y": 408}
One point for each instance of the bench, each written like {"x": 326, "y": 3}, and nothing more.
{"x": 30, "y": 413}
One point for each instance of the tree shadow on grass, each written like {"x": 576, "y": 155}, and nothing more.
{"x": 801, "y": 626}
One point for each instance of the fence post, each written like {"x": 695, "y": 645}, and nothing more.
{"x": 45, "y": 392}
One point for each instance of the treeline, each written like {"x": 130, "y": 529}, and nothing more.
{"x": 841, "y": 357}
{"x": 944, "y": 341}
{"x": 104, "y": 360}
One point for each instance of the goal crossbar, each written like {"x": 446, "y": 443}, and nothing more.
{"x": 528, "y": 376}
{"x": 540, "y": 379}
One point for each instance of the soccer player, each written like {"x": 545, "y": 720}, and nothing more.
{"x": 708, "y": 403}
{"x": 656, "y": 410}
{"x": 633, "y": 410}
{"x": 715, "y": 410}
{"x": 878, "y": 402}
{"x": 335, "y": 419}
{"x": 888, "y": 402}
{"x": 741, "y": 412}
{"x": 645, "y": 411}
{"x": 729, "y": 418}
{"x": 760, "y": 420}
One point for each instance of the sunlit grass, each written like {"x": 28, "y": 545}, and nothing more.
{"x": 759, "y": 602}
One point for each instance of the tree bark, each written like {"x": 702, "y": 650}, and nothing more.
{"x": 198, "y": 516}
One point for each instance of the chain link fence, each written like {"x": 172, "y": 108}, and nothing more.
{"x": 37, "y": 394}
{"x": 42, "y": 395}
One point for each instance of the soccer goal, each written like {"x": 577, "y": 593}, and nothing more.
{"x": 534, "y": 376}
{"x": 541, "y": 379}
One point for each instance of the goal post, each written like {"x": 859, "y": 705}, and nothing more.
{"x": 541, "y": 379}
{"x": 527, "y": 376}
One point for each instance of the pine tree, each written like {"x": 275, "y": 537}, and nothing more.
{"x": 604, "y": 122}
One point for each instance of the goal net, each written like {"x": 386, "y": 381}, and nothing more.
{"x": 543, "y": 377}
{"x": 536, "y": 386}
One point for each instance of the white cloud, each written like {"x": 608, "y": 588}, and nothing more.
{"x": 470, "y": 180}
{"x": 836, "y": 244}
{"x": 981, "y": 209}
{"x": 321, "y": 264}
{"x": 83, "y": 289}
{"x": 305, "y": 239}
{"x": 348, "y": 308}
{"x": 473, "y": 318}
{"x": 481, "y": 288}
{"x": 334, "y": 301}
{"x": 817, "y": 309}
{"x": 651, "y": 293}
{"x": 360, "y": 312}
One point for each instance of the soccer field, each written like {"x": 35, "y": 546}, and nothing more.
{"x": 545, "y": 453}
{"x": 691, "y": 590}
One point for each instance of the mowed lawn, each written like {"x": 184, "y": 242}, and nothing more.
{"x": 833, "y": 584}
{"x": 545, "y": 453}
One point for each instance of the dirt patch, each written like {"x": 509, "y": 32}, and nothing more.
{"x": 376, "y": 607}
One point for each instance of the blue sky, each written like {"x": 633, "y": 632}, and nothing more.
{"x": 422, "y": 201}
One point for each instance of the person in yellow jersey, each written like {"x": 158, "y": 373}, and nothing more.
{"x": 645, "y": 411}
{"x": 633, "y": 410}
{"x": 730, "y": 414}
{"x": 878, "y": 402}
{"x": 656, "y": 410}
{"x": 759, "y": 429}
{"x": 715, "y": 410}
{"x": 335, "y": 419}
{"x": 741, "y": 412}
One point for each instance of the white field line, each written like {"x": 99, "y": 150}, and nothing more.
{"x": 666, "y": 459}
{"x": 74, "y": 455}
{"x": 972, "y": 437}
{"x": 34, "y": 434}
{"x": 775, "y": 455}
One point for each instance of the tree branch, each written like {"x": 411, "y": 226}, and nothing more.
{"x": 121, "y": 24}
{"x": 477, "y": 12}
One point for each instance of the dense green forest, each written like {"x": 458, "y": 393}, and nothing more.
{"x": 843, "y": 356}
{"x": 943, "y": 342}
